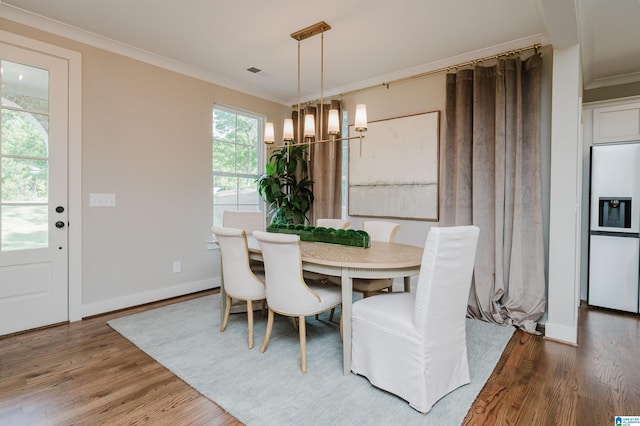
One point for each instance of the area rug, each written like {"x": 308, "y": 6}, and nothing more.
{"x": 270, "y": 389}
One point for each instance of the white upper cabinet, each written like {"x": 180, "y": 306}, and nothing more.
{"x": 617, "y": 123}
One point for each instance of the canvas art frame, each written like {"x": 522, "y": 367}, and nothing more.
{"x": 394, "y": 170}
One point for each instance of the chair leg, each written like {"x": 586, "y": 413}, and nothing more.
{"x": 227, "y": 312}
{"x": 341, "y": 338}
{"x": 295, "y": 323}
{"x": 333, "y": 311}
{"x": 303, "y": 343}
{"x": 267, "y": 334}
{"x": 250, "y": 322}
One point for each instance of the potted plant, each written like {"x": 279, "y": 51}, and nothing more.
{"x": 286, "y": 186}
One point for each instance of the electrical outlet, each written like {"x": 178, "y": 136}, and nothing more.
{"x": 176, "y": 266}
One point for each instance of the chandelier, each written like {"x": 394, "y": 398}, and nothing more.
{"x": 333, "y": 128}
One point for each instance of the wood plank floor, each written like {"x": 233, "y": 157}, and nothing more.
{"x": 86, "y": 373}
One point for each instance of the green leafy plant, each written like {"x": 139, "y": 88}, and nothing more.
{"x": 286, "y": 186}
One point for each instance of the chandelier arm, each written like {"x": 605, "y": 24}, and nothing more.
{"x": 315, "y": 142}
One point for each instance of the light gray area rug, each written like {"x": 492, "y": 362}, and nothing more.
{"x": 270, "y": 389}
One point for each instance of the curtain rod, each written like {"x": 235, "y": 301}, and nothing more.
{"x": 437, "y": 71}
{"x": 463, "y": 64}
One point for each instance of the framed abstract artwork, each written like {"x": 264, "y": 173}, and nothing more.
{"x": 393, "y": 171}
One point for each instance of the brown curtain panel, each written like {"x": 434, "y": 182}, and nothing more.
{"x": 325, "y": 168}
{"x": 490, "y": 177}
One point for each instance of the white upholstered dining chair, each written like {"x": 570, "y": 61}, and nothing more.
{"x": 248, "y": 221}
{"x": 414, "y": 344}
{"x": 326, "y": 223}
{"x": 287, "y": 292}
{"x": 333, "y": 223}
{"x": 240, "y": 282}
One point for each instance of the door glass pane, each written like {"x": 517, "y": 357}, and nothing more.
{"x": 24, "y": 180}
{"x": 24, "y": 133}
{"x": 24, "y": 227}
{"x": 24, "y": 86}
{"x": 24, "y": 165}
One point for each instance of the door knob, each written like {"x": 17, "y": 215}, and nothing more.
{"x": 59, "y": 224}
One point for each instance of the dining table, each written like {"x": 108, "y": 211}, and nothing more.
{"x": 379, "y": 260}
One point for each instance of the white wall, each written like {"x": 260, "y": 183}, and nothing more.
{"x": 401, "y": 99}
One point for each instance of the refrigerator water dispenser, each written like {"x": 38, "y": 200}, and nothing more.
{"x": 614, "y": 212}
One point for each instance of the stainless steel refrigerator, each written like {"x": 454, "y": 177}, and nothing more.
{"x": 614, "y": 243}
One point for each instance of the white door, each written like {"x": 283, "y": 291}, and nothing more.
{"x": 33, "y": 190}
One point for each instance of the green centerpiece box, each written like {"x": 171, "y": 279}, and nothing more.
{"x": 319, "y": 234}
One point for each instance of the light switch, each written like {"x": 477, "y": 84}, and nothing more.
{"x": 102, "y": 200}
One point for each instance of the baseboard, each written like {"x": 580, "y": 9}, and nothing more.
{"x": 561, "y": 333}
{"x": 110, "y": 305}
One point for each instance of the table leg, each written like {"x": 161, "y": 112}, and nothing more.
{"x": 347, "y": 295}
{"x": 223, "y": 296}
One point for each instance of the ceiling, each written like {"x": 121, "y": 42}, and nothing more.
{"x": 371, "y": 41}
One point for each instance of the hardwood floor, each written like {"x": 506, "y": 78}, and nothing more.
{"x": 542, "y": 382}
{"x": 86, "y": 373}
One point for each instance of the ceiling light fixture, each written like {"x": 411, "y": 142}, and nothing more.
{"x": 309, "y": 132}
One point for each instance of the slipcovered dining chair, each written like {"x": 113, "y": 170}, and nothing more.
{"x": 378, "y": 230}
{"x": 414, "y": 344}
{"x": 287, "y": 292}
{"x": 240, "y": 282}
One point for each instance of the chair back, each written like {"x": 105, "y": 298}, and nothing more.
{"x": 380, "y": 230}
{"x": 287, "y": 293}
{"x": 333, "y": 223}
{"x": 443, "y": 287}
{"x": 239, "y": 280}
{"x": 249, "y": 221}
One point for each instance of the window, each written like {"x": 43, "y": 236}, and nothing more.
{"x": 345, "y": 163}
{"x": 237, "y": 160}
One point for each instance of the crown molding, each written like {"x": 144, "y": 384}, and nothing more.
{"x": 71, "y": 32}
{"x": 433, "y": 66}
{"x": 613, "y": 81}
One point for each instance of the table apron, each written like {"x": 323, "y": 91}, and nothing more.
{"x": 354, "y": 272}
